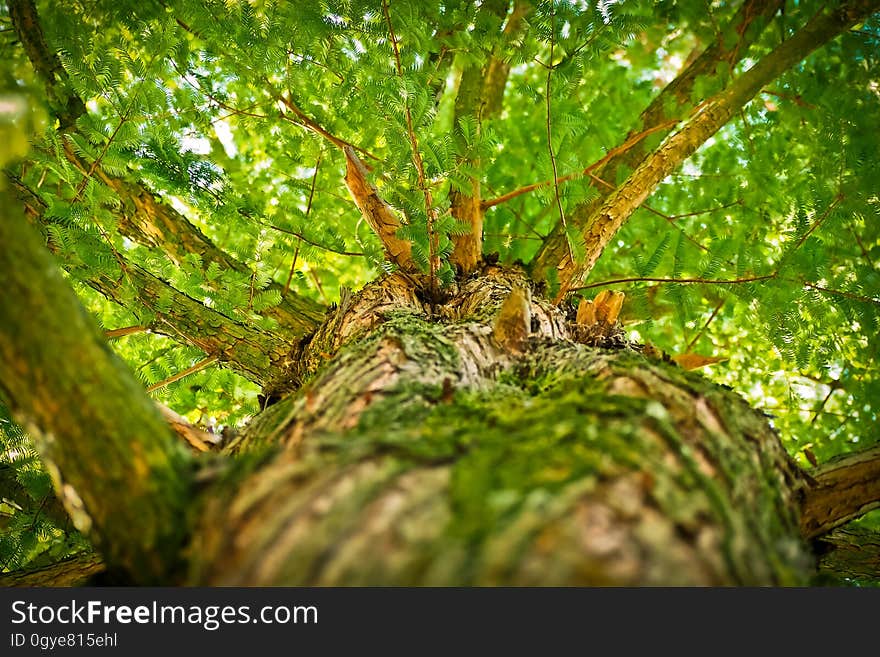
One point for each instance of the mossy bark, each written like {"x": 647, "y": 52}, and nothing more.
{"x": 423, "y": 452}
{"x": 122, "y": 475}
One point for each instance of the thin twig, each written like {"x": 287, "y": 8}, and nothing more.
{"x": 614, "y": 152}
{"x": 819, "y": 221}
{"x": 796, "y": 99}
{"x": 307, "y": 122}
{"x": 292, "y": 268}
{"x": 308, "y": 211}
{"x": 842, "y": 293}
{"x": 97, "y": 160}
{"x": 704, "y": 281}
{"x": 198, "y": 87}
{"x": 122, "y": 332}
{"x": 705, "y": 326}
{"x": 695, "y": 213}
{"x": 319, "y": 286}
{"x": 822, "y": 405}
{"x": 305, "y": 239}
{"x": 550, "y": 133}
{"x": 202, "y": 364}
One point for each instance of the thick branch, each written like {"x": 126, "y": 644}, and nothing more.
{"x": 252, "y": 352}
{"x": 158, "y": 224}
{"x": 93, "y": 424}
{"x": 68, "y": 107}
{"x": 747, "y": 24}
{"x": 607, "y": 219}
{"x": 844, "y": 489}
{"x": 480, "y": 93}
{"x": 142, "y": 216}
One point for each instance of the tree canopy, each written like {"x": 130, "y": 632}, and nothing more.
{"x": 212, "y": 175}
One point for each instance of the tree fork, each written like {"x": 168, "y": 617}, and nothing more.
{"x": 474, "y": 461}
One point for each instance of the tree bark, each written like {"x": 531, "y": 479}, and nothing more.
{"x": 423, "y": 451}
{"x": 416, "y": 443}
{"x": 473, "y": 439}
{"x": 74, "y": 571}
{"x": 122, "y": 475}
{"x": 845, "y": 488}
{"x": 849, "y": 555}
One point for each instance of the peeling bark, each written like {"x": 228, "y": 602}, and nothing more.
{"x": 381, "y": 217}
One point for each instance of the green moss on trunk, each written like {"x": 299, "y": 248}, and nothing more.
{"x": 569, "y": 465}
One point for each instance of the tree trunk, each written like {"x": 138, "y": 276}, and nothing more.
{"x": 478, "y": 438}
{"x": 423, "y": 450}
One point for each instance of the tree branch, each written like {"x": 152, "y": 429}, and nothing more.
{"x": 68, "y": 107}
{"x": 107, "y": 435}
{"x": 480, "y": 92}
{"x": 304, "y": 120}
{"x": 708, "y": 118}
{"x": 842, "y": 489}
{"x": 142, "y": 216}
{"x": 253, "y": 353}
{"x": 549, "y": 130}
{"x": 850, "y": 553}
{"x": 747, "y": 24}
{"x": 614, "y": 152}
{"x": 73, "y": 571}
{"x": 430, "y": 211}
{"x": 198, "y": 367}
{"x": 648, "y": 279}
{"x": 146, "y": 220}
{"x": 381, "y": 217}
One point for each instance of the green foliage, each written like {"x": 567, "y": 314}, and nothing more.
{"x": 28, "y": 537}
